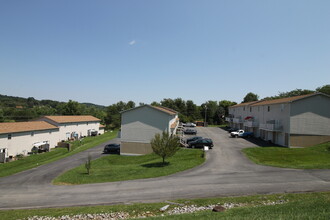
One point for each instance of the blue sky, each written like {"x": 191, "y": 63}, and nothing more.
{"x": 146, "y": 50}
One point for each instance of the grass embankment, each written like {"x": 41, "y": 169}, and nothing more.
{"x": 118, "y": 168}
{"x": 35, "y": 160}
{"x": 218, "y": 126}
{"x": 316, "y": 157}
{"x": 294, "y": 206}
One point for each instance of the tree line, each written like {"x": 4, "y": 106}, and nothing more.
{"x": 25, "y": 109}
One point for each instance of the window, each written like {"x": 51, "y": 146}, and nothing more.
{"x": 32, "y": 133}
{"x": 87, "y": 123}
{"x": 244, "y": 109}
{"x": 258, "y": 108}
{"x": 9, "y": 136}
{"x": 269, "y": 108}
{"x": 250, "y": 109}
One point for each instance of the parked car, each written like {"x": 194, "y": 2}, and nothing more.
{"x": 232, "y": 129}
{"x": 200, "y": 143}
{"x": 112, "y": 148}
{"x": 241, "y": 133}
{"x": 190, "y": 131}
{"x": 193, "y": 139}
{"x": 189, "y": 124}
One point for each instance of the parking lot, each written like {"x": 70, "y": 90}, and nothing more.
{"x": 226, "y": 172}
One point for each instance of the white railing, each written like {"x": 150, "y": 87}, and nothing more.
{"x": 251, "y": 124}
{"x": 237, "y": 120}
{"x": 271, "y": 127}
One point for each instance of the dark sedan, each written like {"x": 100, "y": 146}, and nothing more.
{"x": 190, "y": 131}
{"x": 200, "y": 143}
{"x": 193, "y": 139}
{"x": 112, "y": 148}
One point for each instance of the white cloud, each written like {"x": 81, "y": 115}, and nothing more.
{"x": 132, "y": 42}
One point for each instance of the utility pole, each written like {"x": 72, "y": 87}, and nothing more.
{"x": 205, "y": 115}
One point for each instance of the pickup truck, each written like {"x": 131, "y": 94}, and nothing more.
{"x": 241, "y": 133}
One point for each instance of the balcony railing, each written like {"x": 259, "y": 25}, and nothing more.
{"x": 237, "y": 120}
{"x": 251, "y": 124}
{"x": 271, "y": 127}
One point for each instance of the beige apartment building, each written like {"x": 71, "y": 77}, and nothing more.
{"x": 294, "y": 121}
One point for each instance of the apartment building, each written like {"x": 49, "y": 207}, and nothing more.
{"x": 74, "y": 126}
{"x": 20, "y": 137}
{"x": 139, "y": 125}
{"x": 294, "y": 121}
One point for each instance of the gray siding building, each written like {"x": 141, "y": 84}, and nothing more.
{"x": 139, "y": 125}
{"x": 294, "y": 121}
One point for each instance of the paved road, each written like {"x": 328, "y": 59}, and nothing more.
{"x": 226, "y": 172}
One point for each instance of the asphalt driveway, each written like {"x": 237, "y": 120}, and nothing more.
{"x": 226, "y": 172}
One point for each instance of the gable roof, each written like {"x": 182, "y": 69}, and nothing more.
{"x": 72, "y": 118}
{"x": 15, "y": 127}
{"x": 285, "y": 100}
{"x": 166, "y": 110}
{"x": 158, "y": 108}
{"x": 244, "y": 104}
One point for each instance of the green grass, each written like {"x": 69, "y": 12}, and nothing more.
{"x": 296, "y": 206}
{"x": 316, "y": 157}
{"x": 218, "y": 126}
{"x": 118, "y": 168}
{"x": 32, "y": 161}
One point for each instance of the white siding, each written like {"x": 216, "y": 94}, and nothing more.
{"x": 22, "y": 143}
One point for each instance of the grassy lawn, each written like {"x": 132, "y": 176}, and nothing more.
{"x": 117, "y": 168}
{"x": 277, "y": 206}
{"x": 32, "y": 161}
{"x": 316, "y": 157}
{"x": 218, "y": 126}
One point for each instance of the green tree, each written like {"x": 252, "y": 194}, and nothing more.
{"x": 250, "y": 97}
{"x": 192, "y": 112}
{"x": 165, "y": 145}
{"x": 72, "y": 108}
{"x": 2, "y": 117}
{"x": 324, "y": 89}
{"x": 226, "y": 104}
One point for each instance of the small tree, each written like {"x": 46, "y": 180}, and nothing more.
{"x": 165, "y": 145}
{"x": 88, "y": 164}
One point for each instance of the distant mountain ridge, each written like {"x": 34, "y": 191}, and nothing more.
{"x": 15, "y": 101}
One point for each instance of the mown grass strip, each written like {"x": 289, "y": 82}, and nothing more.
{"x": 118, "y": 168}
{"x": 316, "y": 157}
{"x": 296, "y": 206}
{"x": 36, "y": 160}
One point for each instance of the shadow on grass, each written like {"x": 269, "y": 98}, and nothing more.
{"x": 158, "y": 164}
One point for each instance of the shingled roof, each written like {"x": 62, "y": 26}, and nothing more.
{"x": 15, "y": 127}
{"x": 283, "y": 100}
{"x": 72, "y": 118}
{"x": 244, "y": 104}
{"x": 159, "y": 108}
